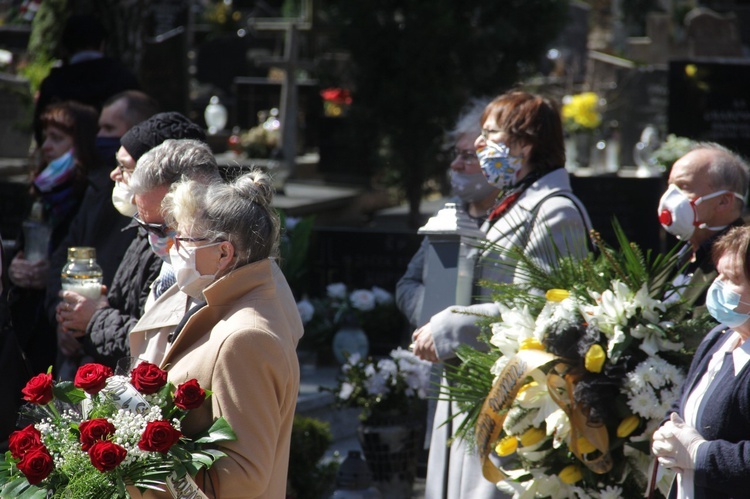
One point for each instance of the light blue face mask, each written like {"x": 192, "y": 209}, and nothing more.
{"x": 722, "y": 302}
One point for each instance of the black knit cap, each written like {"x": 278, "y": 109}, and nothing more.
{"x": 146, "y": 135}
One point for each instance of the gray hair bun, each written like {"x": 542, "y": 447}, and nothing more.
{"x": 255, "y": 185}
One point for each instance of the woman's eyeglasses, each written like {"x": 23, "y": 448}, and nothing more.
{"x": 465, "y": 155}
{"x": 179, "y": 242}
{"x": 159, "y": 230}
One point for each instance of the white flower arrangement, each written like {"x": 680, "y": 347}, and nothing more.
{"x": 577, "y": 378}
{"x": 383, "y": 387}
{"x": 368, "y": 308}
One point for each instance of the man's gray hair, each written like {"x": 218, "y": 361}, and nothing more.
{"x": 171, "y": 161}
{"x": 727, "y": 170}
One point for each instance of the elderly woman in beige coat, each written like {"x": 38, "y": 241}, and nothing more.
{"x": 240, "y": 335}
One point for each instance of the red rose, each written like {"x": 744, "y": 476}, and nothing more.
{"x": 106, "y": 456}
{"x": 95, "y": 430}
{"x": 39, "y": 389}
{"x": 189, "y": 395}
{"x": 22, "y": 441}
{"x": 91, "y": 378}
{"x": 158, "y": 436}
{"x": 36, "y": 465}
{"x": 147, "y": 378}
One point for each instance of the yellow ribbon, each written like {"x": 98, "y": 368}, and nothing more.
{"x": 560, "y": 385}
{"x": 496, "y": 405}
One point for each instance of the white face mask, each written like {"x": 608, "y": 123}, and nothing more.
{"x": 122, "y": 198}
{"x": 678, "y": 214}
{"x": 189, "y": 280}
{"x": 470, "y": 187}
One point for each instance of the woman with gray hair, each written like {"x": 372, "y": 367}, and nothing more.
{"x": 471, "y": 191}
{"x": 240, "y": 336}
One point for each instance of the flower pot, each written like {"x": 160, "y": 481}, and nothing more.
{"x": 390, "y": 447}
{"x": 348, "y": 340}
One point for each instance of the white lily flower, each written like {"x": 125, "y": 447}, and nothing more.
{"x": 516, "y": 326}
{"x": 558, "y": 426}
{"x": 648, "y": 305}
{"x": 653, "y": 340}
{"x": 536, "y": 396}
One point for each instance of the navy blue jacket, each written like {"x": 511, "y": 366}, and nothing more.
{"x": 722, "y": 467}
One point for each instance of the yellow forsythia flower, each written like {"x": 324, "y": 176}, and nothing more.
{"x": 570, "y": 474}
{"x": 557, "y": 295}
{"x": 584, "y": 446}
{"x": 532, "y": 436}
{"x": 531, "y": 344}
{"x": 506, "y": 446}
{"x": 628, "y": 426}
{"x": 595, "y": 358}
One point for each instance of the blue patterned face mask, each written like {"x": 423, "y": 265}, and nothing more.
{"x": 58, "y": 172}
{"x": 162, "y": 245}
{"x": 722, "y": 302}
{"x": 498, "y": 165}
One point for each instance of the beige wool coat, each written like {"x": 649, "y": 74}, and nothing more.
{"x": 242, "y": 347}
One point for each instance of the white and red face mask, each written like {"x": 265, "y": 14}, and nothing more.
{"x": 678, "y": 214}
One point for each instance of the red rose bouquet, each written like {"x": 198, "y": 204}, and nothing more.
{"x": 101, "y": 433}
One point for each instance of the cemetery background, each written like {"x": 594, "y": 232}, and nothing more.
{"x": 363, "y": 162}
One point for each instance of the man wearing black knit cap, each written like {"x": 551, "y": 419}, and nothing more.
{"x": 102, "y": 326}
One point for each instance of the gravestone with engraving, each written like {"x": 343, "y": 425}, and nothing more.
{"x": 710, "y": 100}
{"x": 638, "y": 100}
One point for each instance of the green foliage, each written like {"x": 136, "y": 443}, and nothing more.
{"x": 415, "y": 63}
{"x": 36, "y": 70}
{"x": 309, "y": 478}
{"x": 294, "y": 246}
{"x": 46, "y": 29}
{"x": 671, "y": 150}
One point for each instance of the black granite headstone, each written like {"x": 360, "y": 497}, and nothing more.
{"x": 709, "y": 100}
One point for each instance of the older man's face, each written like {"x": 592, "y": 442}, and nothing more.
{"x": 689, "y": 174}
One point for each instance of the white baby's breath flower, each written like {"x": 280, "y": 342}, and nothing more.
{"x": 382, "y": 297}
{"x": 337, "y": 290}
{"x": 362, "y": 299}
{"x": 306, "y": 310}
